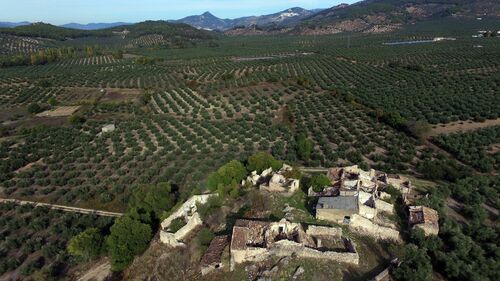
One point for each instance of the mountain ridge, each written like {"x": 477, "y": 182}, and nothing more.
{"x": 284, "y": 18}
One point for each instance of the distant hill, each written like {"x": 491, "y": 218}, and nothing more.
{"x": 13, "y": 24}
{"x": 375, "y": 16}
{"x": 284, "y": 18}
{"x": 94, "y": 26}
{"x": 44, "y": 30}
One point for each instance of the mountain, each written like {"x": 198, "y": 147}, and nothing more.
{"x": 206, "y": 21}
{"x": 284, "y": 18}
{"x": 94, "y": 26}
{"x": 376, "y": 16}
{"x": 13, "y": 24}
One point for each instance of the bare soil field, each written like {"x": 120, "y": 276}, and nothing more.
{"x": 75, "y": 95}
{"x": 461, "y": 126}
{"x": 118, "y": 95}
{"x": 60, "y": 111}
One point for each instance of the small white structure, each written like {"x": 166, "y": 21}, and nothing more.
{"x": 108, "y": 128}
{"x": 188, "y": 211}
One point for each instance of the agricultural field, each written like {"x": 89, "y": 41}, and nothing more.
{"x": 179, "y": 113}
{"x": 479, "y": 148}
{"x": 34, "y": 239}
{"x": 15, "y": 45}
{"x": 183, "y": 107}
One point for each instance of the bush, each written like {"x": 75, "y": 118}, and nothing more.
{"x": 177, "y": 224}
{"x": 204, "y": 237}
{"x": 34, "y": 108}
{"x": 319, "y": 182}
{"x": 87, "y": 245}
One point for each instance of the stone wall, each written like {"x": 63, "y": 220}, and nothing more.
{"x": 188, "y": 212}
{"x": 314, "y": 230}
{"x": 251, "y": 254}
{"x": 365, "y": 226}
{"x": 285, "y": 248}
{"x": 367, "y": 211}
{"x": 186, "y": 209}
{"x": 384, "y": 206}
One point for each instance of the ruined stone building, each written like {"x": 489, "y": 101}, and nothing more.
{"x": 348, "y": 181}
{"x": 188, "y": 213}
{"x": 424, "y": 218}
{"x": 274, "y": 181}
{"x": 212, "y": 259}
{"x": 337, "y": 209}
{"x": 255, "y": 241}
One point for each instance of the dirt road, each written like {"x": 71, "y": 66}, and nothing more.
{"x": 64, "y": 208}
{"x": 462, "y": 126}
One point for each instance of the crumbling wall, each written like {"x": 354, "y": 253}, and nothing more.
{"x": 314, "y": 230}
{"x": 250, "y": 254}
{"x": 187, "y": 211}
{"x": 384, "y": 206}
{"x": 428, "y": 229}
{"x": 187, "y": 208}
{"x": 285, "y": 248}
{"x": 367, "y": 211}
{"x": 365, "y": 226}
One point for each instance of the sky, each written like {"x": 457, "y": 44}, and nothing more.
{"x": 86, "y": 11}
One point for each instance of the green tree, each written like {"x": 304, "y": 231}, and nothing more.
{"x": 230, "y": 174}
{"x": 319, "y": 182}
{"x": 148, "y": 202}
{"x": 34, "y": 108}
{"x": 420, "y": 129}
{"x": 128, "y": 238}
{"x": 416, "y": 265}
{"x": 87, "y": 245}
{"x": 304, "y": 147}
{"x": 53, "y": 101}
{"x": 76, "y": 119}
{"x": 261, "y": 161}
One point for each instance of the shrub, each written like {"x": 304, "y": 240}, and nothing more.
{"x": 319, "y": 182}
{"x": 87, "y": 245}
{"x": 34, "y": 108}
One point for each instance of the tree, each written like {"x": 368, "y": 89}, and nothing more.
{"x": 230, "y": 174}
{"x": 148, "y": 202}
{"x": 419, "y": 129}
{"x": 76, "y": 119}
{"x": 319, "y": 182}
{"x": 34, "y": 108}
{"x": 416, "y": 265}
{"x": 261, "y": 161}
{"x": 87, "y": 245}
{"x": 128, "y": 238}
{"x": 304, "y": 147}
{"x": 53, "y": 101}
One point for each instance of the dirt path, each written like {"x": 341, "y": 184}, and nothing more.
{"x": 64, "y": 208}
{"x": 462, "y": 126}
{"x": 98, "y": 273}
